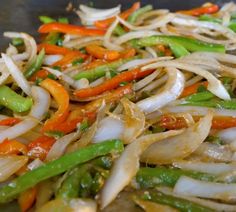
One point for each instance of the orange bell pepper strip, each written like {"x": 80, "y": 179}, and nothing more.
{"x": 9, "y": 121}
{"x": 68, "y": 58}
{"x": 219, "y": 122}
{"x": 112, "y": 83}
{"x": 124, "y": 15}
{"x": 207, "y": 9}
{"x": 70, "y": 29}
{"x": 41, "y": 74}
{"x": 27, "y": 199}
{"x": 40, "y": 147}
{"x": 192, "y": 89}
{"x": 12, "y": 147}
{"x": 128, "y": 53}
{"x": 102, "y": 53}
{"x": 61, "y": 96}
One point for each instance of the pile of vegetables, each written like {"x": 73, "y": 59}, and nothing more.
{"x": 133, "y": 109}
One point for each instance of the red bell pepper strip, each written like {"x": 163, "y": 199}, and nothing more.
{"x": 40, "y": 147}
{"x": 61, "y": 96}
{"x": 9, "y": 121}
{"x": 27, "y": 198}
{"x": 41, "y": 74}
{"x": 70, "y": 29}
{"x": 124, "y": 15}
{"x": 12, "y": 147}
{"x": 102, "y": 53}
{"x": 112, "y": 83}
{"x": 192, "y": 89}
{"x": 208, "y": 9}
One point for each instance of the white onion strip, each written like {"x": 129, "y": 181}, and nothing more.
{"x": 215, "y": 85}
{"x": 41, "y": 105}
{"x": 17, "y": 74}
{"x": 127, "y": 165}
{"x": 191, "y": 187}
{"x": 171, "y": 91}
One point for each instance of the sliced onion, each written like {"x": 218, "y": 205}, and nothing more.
{"x": 139, "y": 62}
{"x": 127, "y": 165}
{"x": 109, "y": 128}
{"x": 41, "y": 105}
{"x": 134, "y": 121}
{"x": 81, "y": 42}
{"x": 30, "y": 44}
{"x": 214, "y": 152}
{"x": 10, "y": 164}
{"x": 17, "y": 74}
{"x": 59, "y": 147}
{"x": 157, "y": 23}
{"x": 227, "y": 135}
{"x": 191, "y": 187}
{"x": 4, "y": 73}
{"x": 132, "y": 35}
{"x": 208, "y": 203}
{"x": 211, "y": 168}
{"x": 180, "y": 146}
{"x": 151, "y": 51}
{"x": 50, "y": 59}
{"x": 85, "y": 205}
{"x": 107, "y": 37}
{"x": 215, "y": 85}
{"x": 35, "y": 164}
{"x": 171, "y": 91}
{"x": 11, "y": 50}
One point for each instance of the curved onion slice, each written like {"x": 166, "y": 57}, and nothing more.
{"x": 127, "y": 165}
{"x": 227, "y": 135}
{"x": 109, "y": 128}
{"x": 157, "y": 23}
{"x": 171, "y": 91}
{"x": 180, "y": 146}
{"x": 30, "y": 44}
{"x": 134, "y": 121}
{"x": 59, "y": 147}
{"x": 191, "y": 187}
{"x": 208, "y": 203}
{"x": 35, "y": 164}
{"x": 10, "y": 164}
{"x": 211, "y": 168}
{"x": 215, "y": 85}
{"x": 214, "y": 152}
{"x": 50, "y": 59}
{"x": 4, "y": 73}
{"x": 41, "y": 105}
{"x": 17, "y": 74}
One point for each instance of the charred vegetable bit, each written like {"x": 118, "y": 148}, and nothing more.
{"x": 10, "y": 99}
{"x": 56, "y": 167}
{"x": 175, "y": 202}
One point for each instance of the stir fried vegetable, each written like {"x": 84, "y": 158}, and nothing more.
{"x": 134, "y": 105}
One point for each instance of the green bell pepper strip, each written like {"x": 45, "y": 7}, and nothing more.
{"x": 17, "y": 41}
{"x": 227, "y": 104}
{"x": 70, "y": 186}
{"x": 133, "y": 17}
{"x": 189, "y": 44}
{"x": 100, "y": 71}
{"x": 201, "y": 96}
{"x": 10, "y": 99}
{"x": 175, "y": 202}
{"x": 85, "y": 185}
{"x": 36, "y": 65}
{"x": 46, "y": 19}
{"x": 119, "y": 30}
{"x": 151, "y": 177}
{"x": 56, "y": 167}
{"x": 209, "y": 19}
{"x": 52, "y": 38}
{"x": 178, "y": 50}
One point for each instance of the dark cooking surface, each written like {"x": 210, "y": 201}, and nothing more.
{"x": 22, "y": 15}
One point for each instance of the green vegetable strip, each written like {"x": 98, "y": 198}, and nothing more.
{"x": 63, "y": 20}
{"x": 133, "y": 17}
{"x": 202, "y": 96}
{"x": 179, "y": 203}
{"x": 14, "y": 101}
{"x": 56, "y": 167}
{"x": 151, "y": 177}
{"x": 17, "y": 41}
{"x": 52, "y": 38}
{"x": 85, "y": 185}
{"x": 101, "y": 70}
{"x": 190, "y": 44}
{"x": 46, "y": 19}
{"x": 70, "y": 187}
{"x": 36, "y": 65}
{"x": 178, "y": 50}
{"x": 209, "y": 19}
{"x": 119, "y": 30}
{"x": 230, "y": 104}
